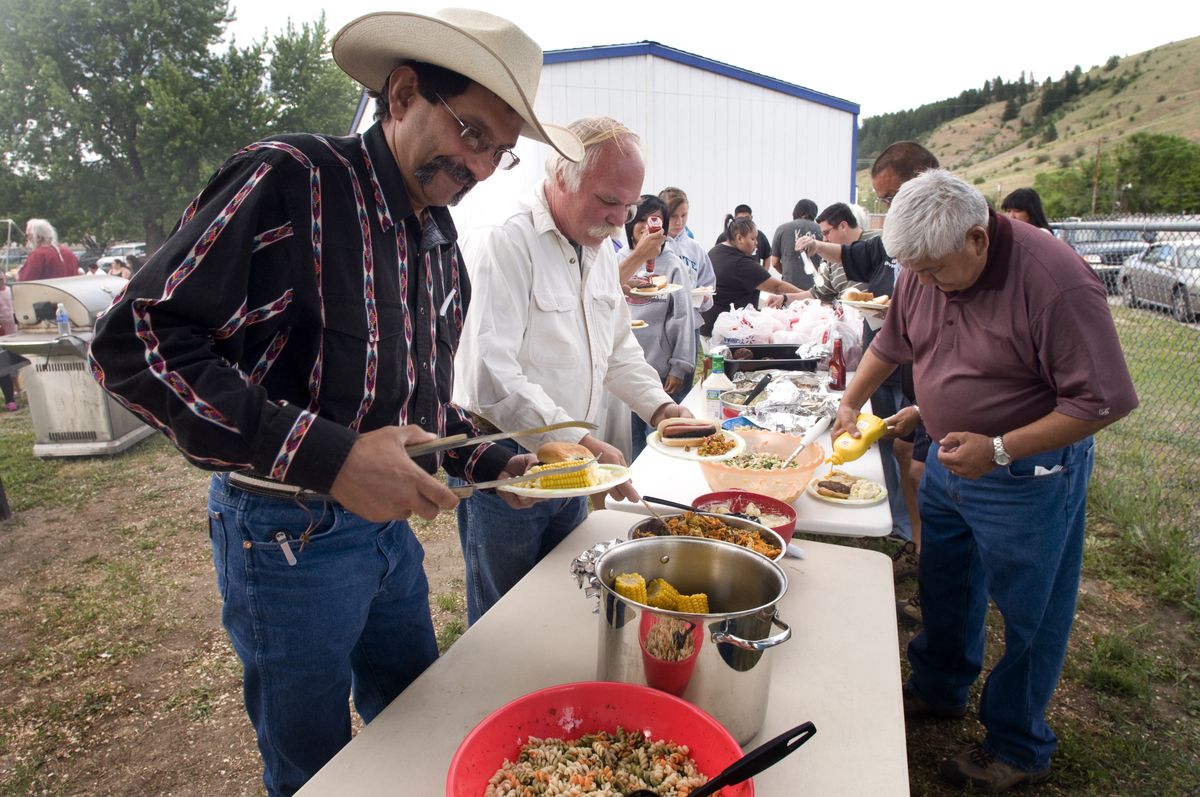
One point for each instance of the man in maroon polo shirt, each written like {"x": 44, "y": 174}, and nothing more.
{"x": 1016, "y": 364}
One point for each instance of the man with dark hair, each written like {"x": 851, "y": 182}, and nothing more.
{"x": 295, "y": 333}
{"x": 896, "y": 165}
{"x": 868, "y": 262}
{"x": 783, "y": 245}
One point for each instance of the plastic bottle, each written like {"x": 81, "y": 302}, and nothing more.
{"x": 714, "y": 385}
{"x": 62, "y": 320}
{"x": 653, "y": 225}
{"x": 847, "y": 448}
{"x": 837, "y": 367}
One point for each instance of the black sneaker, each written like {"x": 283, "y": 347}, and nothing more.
{"x": 905, "y": 561}
{"x": 984, "y": 773}
{"x": 916, "y": 707}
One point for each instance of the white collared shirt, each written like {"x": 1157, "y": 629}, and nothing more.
{"x": 543, "y": 338}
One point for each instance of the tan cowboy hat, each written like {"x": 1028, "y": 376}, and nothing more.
{"x": 489, "y": 50}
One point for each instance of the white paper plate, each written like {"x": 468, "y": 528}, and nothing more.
{"x": 704, "y": 290}
{"x": 812, "y": 490}
{"x": 868, "y": 307}
{"x": 662, "y": 292}
{"x": 739, "y": 446}
{"x": 617, "y": 475}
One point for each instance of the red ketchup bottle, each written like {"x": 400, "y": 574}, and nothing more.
{"x": 837, "y": 367}
{"x": 653, "y": 225}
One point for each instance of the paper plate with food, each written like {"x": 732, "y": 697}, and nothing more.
{"x": 652, "y": 285}
{"x": 839, "y": 487}
{"x": 638, "y": 323}
{"x": 545, "y": 483}
{"x": 867, "y": 302}
{"x": 695, "y": 439}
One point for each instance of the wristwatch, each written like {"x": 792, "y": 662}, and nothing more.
{"x": 1000, "y": 456}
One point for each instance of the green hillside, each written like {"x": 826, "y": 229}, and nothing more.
{"x": 1157, "y": 91}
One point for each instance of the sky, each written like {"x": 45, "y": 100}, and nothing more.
{"x": 849, "y": 50}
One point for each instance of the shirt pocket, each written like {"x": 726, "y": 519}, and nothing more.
{"x": 345, "y": 376}
{"x": 556, "y": 336}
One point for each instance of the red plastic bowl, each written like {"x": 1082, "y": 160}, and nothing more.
{"x": 739, "y": 499}
{"x": 571, "y": 710}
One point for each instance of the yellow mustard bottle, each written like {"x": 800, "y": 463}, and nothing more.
{"x": 847, "y": 448}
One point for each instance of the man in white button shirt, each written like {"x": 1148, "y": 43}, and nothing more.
{"x": 555, "y": 335}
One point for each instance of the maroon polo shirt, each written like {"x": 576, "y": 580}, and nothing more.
{"x": 46, "y": 262}
{"x": 1032, "y": 336}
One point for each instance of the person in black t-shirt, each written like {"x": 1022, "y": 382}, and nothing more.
{"x": 762, "y": 245}
{"x": 740, "y": 276}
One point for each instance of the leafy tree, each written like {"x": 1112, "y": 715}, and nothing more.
{"x": 310, "y": 92}
{"x": 1163, "y": 173}
{"x": 113, "y": 113}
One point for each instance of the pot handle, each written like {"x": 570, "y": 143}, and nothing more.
{"x": 758, "y": 645}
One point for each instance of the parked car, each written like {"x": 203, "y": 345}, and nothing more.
{"x": 124, "y": 250}
{"x": 1166, "y": 275}
{"x": 1106, "y": 250}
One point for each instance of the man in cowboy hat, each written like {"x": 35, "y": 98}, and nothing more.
{"x": 295, "y": 333}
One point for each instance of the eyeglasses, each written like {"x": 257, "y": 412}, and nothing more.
{"x": 478, "y": 141}
{"x": 887, "y": 200}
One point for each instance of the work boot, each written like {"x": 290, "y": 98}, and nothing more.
{"x": 984, "y": 773}
{"x": 915, "y": 707}
{"x": 905, "y": 561}
{"x": 908, "y": 612}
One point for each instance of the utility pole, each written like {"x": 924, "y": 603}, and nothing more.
{"x": 1096, "y": 177}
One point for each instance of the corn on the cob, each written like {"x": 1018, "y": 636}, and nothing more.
{"x": 692, "y": 604}
{"x": 546, "y": 479}
{"x": 662, "y": 595}
{"x": 631, "y": 586}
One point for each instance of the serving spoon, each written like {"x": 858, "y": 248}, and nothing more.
{"x": 762, "y": 757}
{"x": 690, "y": 508}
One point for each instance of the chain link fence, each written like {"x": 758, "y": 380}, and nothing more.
{"x": 1151, "y": 267}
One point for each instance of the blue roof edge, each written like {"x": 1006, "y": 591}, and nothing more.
{"x": 700, "y": 62}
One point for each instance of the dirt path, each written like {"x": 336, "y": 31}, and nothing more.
{"x": 117, "y": 676}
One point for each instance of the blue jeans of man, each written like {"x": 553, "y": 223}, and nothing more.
{"x": 885, "y": 402}
{"x": 350, "y": 615}
{"x": 501, "y": 544}
{"x": 1015, "y": 534}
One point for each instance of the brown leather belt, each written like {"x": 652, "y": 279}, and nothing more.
{"x": 274, "y": 489}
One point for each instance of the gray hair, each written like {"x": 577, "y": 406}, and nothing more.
{"x": 594, "y": 132}
{"x": 931, "y": 215}
{"x": 41, "y": 232}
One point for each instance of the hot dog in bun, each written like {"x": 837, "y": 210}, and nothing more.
{"x": 684, "y": 432}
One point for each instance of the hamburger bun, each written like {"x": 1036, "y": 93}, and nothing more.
{"x": 659, "y": 281}
{"x": 684, "y": 432}
{"x": 858, "y": 296}
{"x": 552, "y": 453}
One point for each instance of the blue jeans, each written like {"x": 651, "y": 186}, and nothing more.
{"x": 1018, "y": 537}
{"x": 885, "y": 402}
{"x": 351, "y": 615}
{"x": 501, "y": 544}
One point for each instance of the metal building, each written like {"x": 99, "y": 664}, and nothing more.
{"x": 724, "y": 135}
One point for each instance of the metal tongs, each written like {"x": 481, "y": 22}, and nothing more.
{"x": 455, "y": 441}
